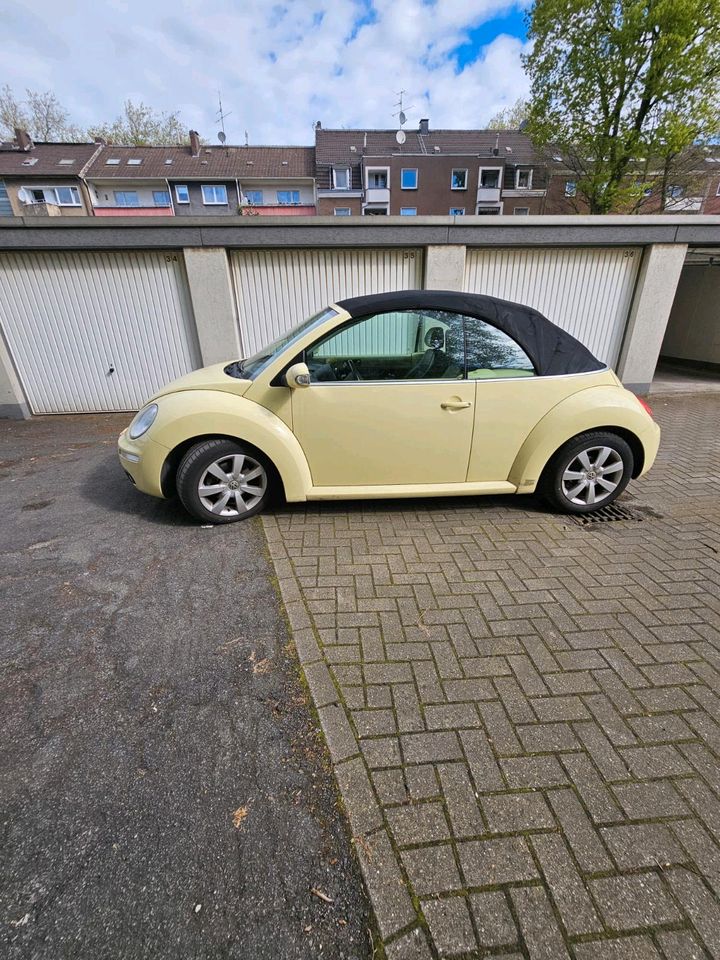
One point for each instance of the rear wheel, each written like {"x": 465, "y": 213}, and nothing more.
{"x": 221, "y": 481}
{"x": 588, "y": 472}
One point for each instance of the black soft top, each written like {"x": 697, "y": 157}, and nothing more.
{"x": 552, "y": 350}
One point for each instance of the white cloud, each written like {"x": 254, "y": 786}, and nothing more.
{"x": 281, "y": 66}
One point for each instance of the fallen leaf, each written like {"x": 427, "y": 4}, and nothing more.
{"x": 322, "y": 896}
{"x": 308, "y": 928}
{"x": 198, "y": 907}
{"x": 262, "y": 666}
{"x": 239, "y": 815}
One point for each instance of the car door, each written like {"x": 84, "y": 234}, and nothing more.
{"x": 388, "y": 403}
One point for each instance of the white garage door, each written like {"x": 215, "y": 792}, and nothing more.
{"x": 275, "y": 289}
{"x": 587, "y": 292}
{"x": 96, "y": 331}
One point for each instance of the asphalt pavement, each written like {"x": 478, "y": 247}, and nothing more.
{"x": 164, "y": 788}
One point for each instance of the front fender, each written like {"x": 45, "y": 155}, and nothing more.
{"x": 591, "y": 409}
{"x": 198, "y": 413}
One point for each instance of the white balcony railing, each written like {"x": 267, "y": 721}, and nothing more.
{"x": 377, "y": 195}
{"x": 488, "y": 194}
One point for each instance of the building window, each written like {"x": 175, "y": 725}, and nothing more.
{"x": 161, "y": 198}
{"x": 182, "y": 194}
{"x": 112, "y": 161}
{"x": 490, "y": 179}
{"x": 457, "y": 211}
{"x": 214, "y": 194}
{"x": 408, "y": 211}
{"x": 717, "y": 192}
{"x": 488, "y": 211}
{"x": 570, "y": 188}
{"x": 288, "y": 198}
{"x": 458, "y": 180}
{"x": 5, "y": 206}
{"x": 342, "y": 211}
{"x": 408, "y": 179}
{"x": 134, "y": 162}
{"x": 521, "y": 211}
{"x": 377, "y": 179}
{"x": 254, "y": 197}
{"x": 375, "y": 212}
{"x": 341, "y": 178}
{"x": 523, "y": 179}
{"x": 127, "y": 198}
{"x": 674, "y": 192}
{"x": 67, "y": 196}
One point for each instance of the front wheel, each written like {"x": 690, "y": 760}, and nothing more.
{"x": 588, "y": 472}
{"x": 221, "y": 481}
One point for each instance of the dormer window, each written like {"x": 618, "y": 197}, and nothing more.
{"x": 341, "y": 178}
{"x": 523, "y": 179}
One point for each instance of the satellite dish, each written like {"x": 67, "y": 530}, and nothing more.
{"x": 402, "y": 118}
{"x": 400, "y": 136}
{"x": 221, "y": 136}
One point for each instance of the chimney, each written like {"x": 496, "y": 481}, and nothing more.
{"x": 23, "y": 139}
{"x": 424, "y": 127}
{"x": 194, "y": 143}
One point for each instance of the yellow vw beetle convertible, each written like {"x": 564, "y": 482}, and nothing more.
{"x": 407, "y": 394}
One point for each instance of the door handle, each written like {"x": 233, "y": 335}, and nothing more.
{"x": 455, "y": 404}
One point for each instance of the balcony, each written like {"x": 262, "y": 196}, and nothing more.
{"x": 377, "y": 195}
{"x": 488, "y": 194}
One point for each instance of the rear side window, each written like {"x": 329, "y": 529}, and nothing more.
{"x": 491, "y": 353}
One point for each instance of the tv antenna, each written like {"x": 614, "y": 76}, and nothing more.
{"x": 401, "y": 114}
{"x": 220, "y": 115}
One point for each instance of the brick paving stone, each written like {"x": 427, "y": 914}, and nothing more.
{"x": 538, "y": 925}
{"x": 566, "y": 885}
{"x": 643, "y": 845}
{"x": 523, "y": 715}
{"x": 628, "y": 902}
{"x": 411, "y": 946}
{"x": 517, "y": 812}
{"x": 418, "y": 823}
{"x": 626, "y": 948}
{"x": 680, "y": 945}
{"x": 460, "y": 800}
{"x": 432, "y": 869}
{"x": 450, "y": 925}
{"x": 487, "y": 863}
{"x": 493, "y": 920}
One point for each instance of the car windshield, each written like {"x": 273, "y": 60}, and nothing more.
{"x": 249, "y": 368}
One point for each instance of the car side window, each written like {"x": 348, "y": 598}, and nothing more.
{"x": 403, "y": 345}
{"x": 492, "y": 354}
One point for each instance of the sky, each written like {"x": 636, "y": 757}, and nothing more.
{"x": 280, "y": 66}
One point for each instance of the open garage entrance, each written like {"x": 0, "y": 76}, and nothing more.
{"x": 690, "y": 353}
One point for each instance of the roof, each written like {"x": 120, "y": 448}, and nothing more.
{"x": 213, "y": 162}
{"x": 334, "y": 146}
{"x": 47, "y": 159}
{"x": 553, "y": 351}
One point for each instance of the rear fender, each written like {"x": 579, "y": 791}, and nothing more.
{"x": 592, "y": 409}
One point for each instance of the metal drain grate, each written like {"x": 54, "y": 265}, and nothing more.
{"x": 613, "y": 512}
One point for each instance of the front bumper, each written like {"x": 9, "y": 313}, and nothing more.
{"x": 143, "y": 460}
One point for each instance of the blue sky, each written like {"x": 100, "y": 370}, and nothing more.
{"x": 281, "y": 66}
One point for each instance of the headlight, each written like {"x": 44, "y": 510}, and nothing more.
{"x": 143, "y": 421}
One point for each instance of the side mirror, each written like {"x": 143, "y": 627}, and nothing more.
{"x": 297, "y": 376}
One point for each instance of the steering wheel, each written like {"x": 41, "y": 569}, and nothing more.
{"x": 349, "y": 371}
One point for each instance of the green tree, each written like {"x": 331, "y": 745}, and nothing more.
{"x": 510, "y": 117}
{"x": 140, "y": 125}
{"x": 40, "y": 113}
{"x": 618, "y": 83}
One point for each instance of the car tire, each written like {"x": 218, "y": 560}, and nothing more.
{"x": 223, "y": 481}
{"x": 587, "y": 473}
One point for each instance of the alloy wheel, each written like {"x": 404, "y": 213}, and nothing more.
{"x": 592, "y": 475}
{"x": 232, "y": 485}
